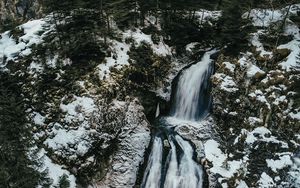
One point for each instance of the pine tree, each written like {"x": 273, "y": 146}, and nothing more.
{"x": 79, "y": 25}
{"x": 64, "y": 181}
{"x": 18, "y": 161}
{"x": 232, "y": 30}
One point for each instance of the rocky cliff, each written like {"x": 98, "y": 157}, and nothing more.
{"x": 14, "y": 12}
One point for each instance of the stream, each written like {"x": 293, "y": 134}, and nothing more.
{"x": 176, "y": 167}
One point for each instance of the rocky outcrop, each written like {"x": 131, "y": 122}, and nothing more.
{"x": 13, "y": 12}
{"x": 133, "y": 139}
{"x": 106, "y": 146}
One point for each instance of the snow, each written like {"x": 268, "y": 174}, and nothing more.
{"x": 31, "y": 30}
{"x": 294, "y": 45}
{"x": 233, "y": 113}
{"x": 280, "y": 100}
{"x": 262, "y": 134}
{"x": 35, "y": 68}
{"x": 295, "y": 115}
{"x": 266, "y": 181}
{"x": 118, "y": 58}
{"x": 10, "y": 48}
{"x": 227, "y": 83}
{"x": 138, "y": 36}
{"x": 79, "y": 108}
{"x": 229, "y": 66}
{"x": 190, "y": 47}
{"x": 242, "y": 184}
{"x": 38, "y": 119}
{"x": 265, "y": 17}
{"x": 253, "y": 70}
{"x": 259, "y": 46}
{"x": 282, "y": 162}
{"x": 206, "y": 15}
{"x": 221, "y": 164}
{"x": 294, "y": 173}
{"x": 51, "y": 62}
{"x": 64, "y": 138}
{"x": 55, "y": 171}
{"x": 259, "y": 96}
{"x": 254, "y": 120}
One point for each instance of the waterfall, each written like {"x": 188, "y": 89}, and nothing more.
{"x": 191, "y": 102}
{"x": 153, "y": 170}
{"x": 192, "y": 99}
{"x": 189, "y": 171}
{"x": 157, "y": 111}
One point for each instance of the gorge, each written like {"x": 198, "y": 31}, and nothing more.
{"x": 191, "y": 103}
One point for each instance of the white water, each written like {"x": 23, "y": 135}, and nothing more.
{"x": 191, "y": 103}
{"x": 153, "y": 170}
{"x": 190, "y": 173}
{"x": 172, "y": 172}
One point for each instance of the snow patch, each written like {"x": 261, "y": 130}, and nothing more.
{"x": 226, "y": 82}
{"x": 79, "y": 108}
{"x": 38, "y": 119}
{"x": 229, "y": 66}
{"x": 295, "y": 115}
{"x": 10, "y": 49}
{"x": 221, "y": 164}
{"x": 262, "y": 134}
{"x": 253, "y": 70}
{"x": 266, "y": 181}
{"x": 63, "y": 139}
{"x": 282, "y": 162}
{"x": 118, "y": 59}
{"x": 138, "y": 36}
{"x": 55, "y": 171}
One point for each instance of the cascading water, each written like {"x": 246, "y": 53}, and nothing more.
{"x": 153, "y": 175}
{"x": 192, "y": 99}
{"x": 191, "y": 102}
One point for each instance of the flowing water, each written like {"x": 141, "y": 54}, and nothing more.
{"x": 191, "y": 102}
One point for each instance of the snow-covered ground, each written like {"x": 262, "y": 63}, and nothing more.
{"x": 55, "y": 171}
{"x": 264, "y": 18}
{"x": 32, "y": 33}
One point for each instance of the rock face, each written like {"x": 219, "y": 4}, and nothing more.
{"x": 15, "y": 11}
{"x": 133, "y": 139}
{"x": 108, "y": 146}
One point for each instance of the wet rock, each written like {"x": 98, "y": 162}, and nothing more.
{"x": 166, "y": 144}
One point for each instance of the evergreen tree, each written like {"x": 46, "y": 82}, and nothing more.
{"x": 79, "y": 26}
{"x": 18, "y": 162}
{"x": 64, "y": 181}
{"x": 232, "y": 30}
